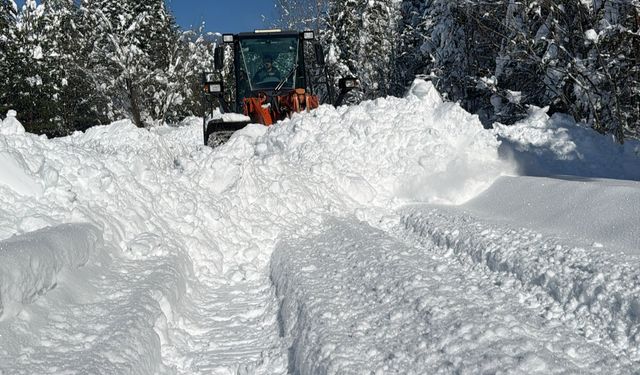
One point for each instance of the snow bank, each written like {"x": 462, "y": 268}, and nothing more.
{"x": 125, "y": 181}
{"x": 556, "y": 145}
{"x": 375, "y": 156}
{"x": 16, "y": 173}
{"x": 412, "y": 149}
{"x": 30, "y": 264}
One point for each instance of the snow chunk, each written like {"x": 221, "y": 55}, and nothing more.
{"x": 425, "y": 91}
{"x": 15, "y": 175}
{"x": 229, "y": 117}
{"x": 591, "y": 35}
{"x": 11, "y": 125}
{"x": 514, "y": 96}
{"x": 36, "y": 53}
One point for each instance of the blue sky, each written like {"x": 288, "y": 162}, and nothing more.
{"x": 225, "y": 16}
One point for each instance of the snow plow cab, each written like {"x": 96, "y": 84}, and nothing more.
{"x": 262, "y": 77}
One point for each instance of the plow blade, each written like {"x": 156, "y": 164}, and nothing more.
{"x": 218, "y": 132}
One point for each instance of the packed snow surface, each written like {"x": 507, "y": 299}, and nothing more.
{"x": 396, "y": 236}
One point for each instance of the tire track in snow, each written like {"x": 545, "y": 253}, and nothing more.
{"x": 228, "y": 329}
{"x": 587, "y": 290}
{"x": 355, "y": 299}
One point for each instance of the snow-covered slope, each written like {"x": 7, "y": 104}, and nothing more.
{"x": 144, "y": 252}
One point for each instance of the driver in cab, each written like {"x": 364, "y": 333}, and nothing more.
{"x": 267, "y": 71}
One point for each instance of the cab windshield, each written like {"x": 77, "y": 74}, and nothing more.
{"x": 265, "y": 62}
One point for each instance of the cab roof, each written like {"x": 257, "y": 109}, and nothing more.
{"x": 268, "y": 33}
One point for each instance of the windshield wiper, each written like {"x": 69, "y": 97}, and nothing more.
{"x": 285, "y": 79}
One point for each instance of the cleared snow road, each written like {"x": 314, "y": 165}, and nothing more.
{"x": 229, "y": 329}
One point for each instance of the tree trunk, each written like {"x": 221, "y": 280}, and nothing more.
{"x": 133, "y": 101}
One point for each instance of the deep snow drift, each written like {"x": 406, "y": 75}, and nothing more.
{"x": 135, "y": 251}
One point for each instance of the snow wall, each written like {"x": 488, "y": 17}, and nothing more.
{"x": 30, "y": 264}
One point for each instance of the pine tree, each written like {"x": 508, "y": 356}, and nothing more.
{"x": 341, "y": 38}
{"x": 377, "y": 46}
{"x": 66, "y": 65}
{"x": 445, "y": 44}
{"x": 138, "y": 39}
{"x": 64, "y": 46}
{"x": 362, "y": 38}
{"x": 574, "y": 58}
{"x": 195, "y": 49}
{"x": 410, "y": 61}
{"x": 8, "y": 49}
{"x": 26, "y": 87}
{"x": 610, "y": 79}
{"x": 8, "y": 13}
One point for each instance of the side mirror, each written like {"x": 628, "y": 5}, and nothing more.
{"x": 319, "y": 54}
{"x": 218, "y": 57}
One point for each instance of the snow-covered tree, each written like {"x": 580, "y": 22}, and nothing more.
{"x": 196, "y": 51}
{"x": 498, "y": 56}
{"x": 607, "y": 82}
{"x": 344, "y": 24}
{"x": 301, "y": 14}
{"x": 28, "y": 70}
{"x": 77, "y": 103}
{"x": 444, "y": 46}
{"x": 576, "y": 57}
{"x": 8, "y": 49}
{"x": 410, "y": 58}
{"x": 8, "y": 13}
{"x": 361, "y": 39}
{"x": 377, "y": 46}
{"x": 42, "y": 80}
{"x": 134, "y": 51}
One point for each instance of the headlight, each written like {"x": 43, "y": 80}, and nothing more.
{"x": 308, "y": 35}
{"x": 227, "y": 38}
{"x": 264, "y": 31}
{"x": 348, "y": 83}
{"x": 213, "y": 87}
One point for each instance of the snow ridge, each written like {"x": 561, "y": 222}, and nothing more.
{"x": 585, "y": 288}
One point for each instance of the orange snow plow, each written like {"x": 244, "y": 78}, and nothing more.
{"x": 266, "y": 76}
